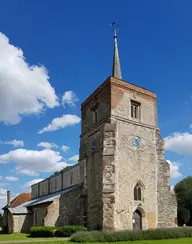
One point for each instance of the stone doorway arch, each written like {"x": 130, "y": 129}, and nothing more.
{"x": 137, "y": 220}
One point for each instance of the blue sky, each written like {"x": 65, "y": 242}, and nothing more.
{"x": 73, "y": 41}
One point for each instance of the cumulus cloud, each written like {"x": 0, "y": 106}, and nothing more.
{"x": 15, "y": 143}
{"x": 3, "y": 191}
{"x": 69, "y": 98}
{"x": 2, "y": 183}
{"x": 29, "y": 172}
{"x": 174, "y": 170}
{"x": 32, "y": 162}
{"x": 27, "y": 185}
{"x": 11, "y": 178}
{"x": 65, "y": 148}
{"x": 172, "y": 189}
{"x": 180, "y": 143}
{"x": 47, "y": 145}
{"x": 3, "y": 201}
{"x": 60, "y": 123}
{"x": 74, "y": 158}
{"x": 24, "y": 89}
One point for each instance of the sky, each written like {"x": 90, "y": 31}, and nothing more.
{"x": 53, "y": 54}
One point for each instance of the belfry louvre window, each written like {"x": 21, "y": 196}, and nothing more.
{"x": 135, "y": 110}
{"x": 137, "y": 193}
{"x": 95, "y": 115}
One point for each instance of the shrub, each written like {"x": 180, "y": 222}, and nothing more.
{"x": 4, "y": 230}
{"x": 42, "y": 231}
{"x": 156, "y": 234}
{"x": 66, "y": 231}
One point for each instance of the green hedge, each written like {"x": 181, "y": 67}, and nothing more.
{"x": 67, "y": 231}
{"x": 51, "y": 231}
{"x": 157, "y": 234}
{"x": 42, "y": 231}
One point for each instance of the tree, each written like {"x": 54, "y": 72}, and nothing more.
{"x": 183, "y": 215}
{"x": 1, "y": 220}
{"x": 183, "y": 191}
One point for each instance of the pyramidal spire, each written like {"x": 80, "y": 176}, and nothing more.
{"x": 116, "y": 71}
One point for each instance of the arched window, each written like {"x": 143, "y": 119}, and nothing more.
{"x": 137, "y": 192}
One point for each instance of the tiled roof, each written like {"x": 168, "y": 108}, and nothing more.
{"x": 20, "y": 199}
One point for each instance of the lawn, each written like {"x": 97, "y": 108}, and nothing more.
{"x": 15, "y": 236}
{"x": 23, "y": 237}
{"x": 170, "y": 241}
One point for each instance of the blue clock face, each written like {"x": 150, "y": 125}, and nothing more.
{"x": 137, "y": 141}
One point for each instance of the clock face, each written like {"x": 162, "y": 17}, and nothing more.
{"x": 137, "y": 141}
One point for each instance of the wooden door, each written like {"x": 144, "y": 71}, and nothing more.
{"x": 137, "y": 225}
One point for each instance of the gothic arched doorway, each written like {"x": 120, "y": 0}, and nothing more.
{"x": 137, "y": 220}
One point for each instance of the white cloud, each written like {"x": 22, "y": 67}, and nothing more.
{"x": 180, "y": 143}
{"x": 28, "y": 172}
{"x": 3, "y": 201}
{"x": 65, "y": 148}
{"x": 24, "y": 89}
{"x": 3, "y": 197}
{"x": 34, "y": 161}
{"x": 74, "y": 158}
{"x": 2, "y": 183}
{"x": 172, "y": 189}
{"x": 27, "y": 185}
{"x": 15, "y": 143}
{"x": 3, "y": 191}
{"x": 174, "y": 170}
{"x": 62, "y": 122}
{"x": 69, "y": 98}
{"x": 11, "y": 178}
{"x": 47, "y": 145}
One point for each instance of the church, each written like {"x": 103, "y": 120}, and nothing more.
{"x": 121, "y": 181}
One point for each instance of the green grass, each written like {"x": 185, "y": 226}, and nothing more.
{"x": 172, "y": 241}
{"x": 15, "y": 236}
{"x": 21, "y": 237}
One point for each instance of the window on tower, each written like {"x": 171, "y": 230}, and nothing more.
{"x": 135, "y": 110}
{"x": 138, "y": 191}
{"x": 95, "y": 114}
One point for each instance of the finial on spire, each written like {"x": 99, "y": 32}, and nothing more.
{"x": 116, "y": 71}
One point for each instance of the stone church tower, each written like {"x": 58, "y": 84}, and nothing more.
{"x": 122, "y": 167}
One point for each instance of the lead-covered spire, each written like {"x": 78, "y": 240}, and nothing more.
{"x": 116, "y": 72}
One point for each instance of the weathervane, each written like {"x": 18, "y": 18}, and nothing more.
{"x": 113, "y": 24}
